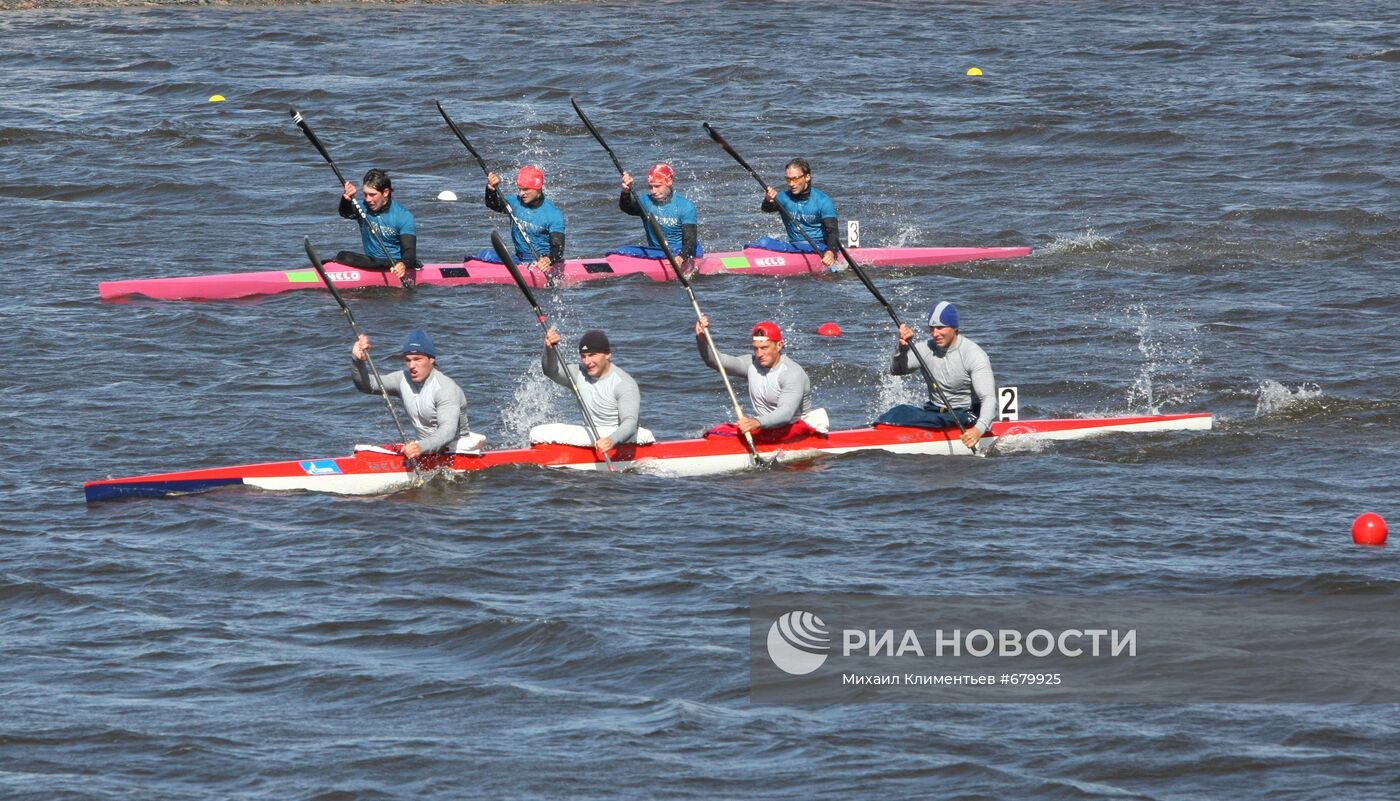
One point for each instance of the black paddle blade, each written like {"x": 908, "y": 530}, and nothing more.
{"x": 587, "y": 123}
{"x": 326, "y": 279}
{"x": 316, "y": 142}
{"x": 461, "y": 137}
{"x": 865, "y": 279}
{"x": 714, "y": 135}
{"x": 734, "y": 154}
{"x": 311, "y": 254}
{"x": 671, "y": 260}
{"x": 509, "y": 261}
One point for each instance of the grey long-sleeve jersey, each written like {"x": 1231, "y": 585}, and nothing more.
{"x": 613, "y": 400}
{"x": 779, "y": 394}
{"x": 963, "y": 372}
{"x": 437, "y": 407}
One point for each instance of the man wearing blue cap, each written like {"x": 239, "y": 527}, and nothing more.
{"x": 959, "y": 367}
{"x": 434, "y": 402}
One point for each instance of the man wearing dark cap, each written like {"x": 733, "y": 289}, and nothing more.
{"x": 959, "y": 367}
{"x": 435, "y": 404}
{"x": 607, "y": 391}
{"x": 779, "y": 391}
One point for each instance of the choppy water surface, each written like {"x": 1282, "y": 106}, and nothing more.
{"x": 1211, "y": 193}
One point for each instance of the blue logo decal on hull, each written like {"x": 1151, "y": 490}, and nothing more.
{"x": 320, "y": 467}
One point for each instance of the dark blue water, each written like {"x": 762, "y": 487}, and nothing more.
{"x": 1211, "y": 193}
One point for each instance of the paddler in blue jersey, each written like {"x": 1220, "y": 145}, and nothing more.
{"x": 434, "y": 402}
{"x": 779, "y": 391}
{"x": 673, "y": 212}
{"x": 392, "y": 223}
{"x": 959, "y": 367}
{"x": 611, "y": 395}
{"x": 542, "y": 242}
{"x": 807, "y": 207}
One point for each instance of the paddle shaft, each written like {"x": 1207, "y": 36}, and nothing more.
{"x": 709, "y": 340}
{"x": 515, "y": 221}
{"x": 509, "y": 261}
{"x": 671, "y": 259}
{"x": 935, "y": 391}
{"x": 364, "y": 215}
{"x": 369, "y": 360}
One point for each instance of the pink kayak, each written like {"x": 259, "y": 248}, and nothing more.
{"x": 750, "y": 260}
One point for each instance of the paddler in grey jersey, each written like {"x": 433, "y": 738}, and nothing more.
{"x": 779, "y": 390}
{"x": 611, "y": 395}
{"x": 960, "y": 368}
{"x": 434, "y": 402}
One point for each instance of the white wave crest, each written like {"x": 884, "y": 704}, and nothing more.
{"x": 1086, "y": 240}
{"x": 1275, "y": 397}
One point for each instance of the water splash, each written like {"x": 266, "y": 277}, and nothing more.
{"x": 533, "y": 402}
{"x": 1275, "y": 397}
{"x": 1085, "y": 241}
{"x": 893, "y": 390}
{"x": 908, "y": 236}
{"x": 1012, "y": 441}
{"x": 1171, "y": 353}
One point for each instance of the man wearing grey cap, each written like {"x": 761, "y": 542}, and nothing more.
{"x": 608, "y": 392}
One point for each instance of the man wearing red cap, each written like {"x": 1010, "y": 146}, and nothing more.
{"x": 538, "y": 229}
{"x": 673, "y": 212}
{"x": 808, "y": 208}
{"x": 779, "y": 391}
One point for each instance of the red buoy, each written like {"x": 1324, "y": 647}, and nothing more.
{"x": 1369, "y": 529}
{"x": 829, "y": 330}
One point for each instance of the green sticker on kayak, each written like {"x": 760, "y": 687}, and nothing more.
{"x": 735, "y": 262}
{"x": 303, "y": 277}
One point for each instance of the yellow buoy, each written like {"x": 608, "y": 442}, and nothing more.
{"x": 974, "y": 71}
{"x": 216, "y": 98}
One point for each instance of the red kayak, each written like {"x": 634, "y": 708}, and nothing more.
{"x": 373, "y": 470}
